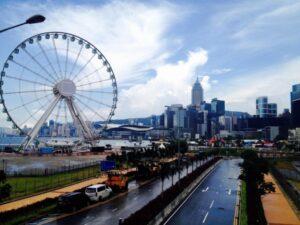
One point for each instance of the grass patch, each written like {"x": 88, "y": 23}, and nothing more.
{"x": 24, "y": 186}
{"x": 295, "y": 183}
{"x": 32, "y": 214}
{"x": 243, "y": 209}
{"x": 284, "y": 165}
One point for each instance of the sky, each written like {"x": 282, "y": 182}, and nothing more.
{"x": 239, "y": 49}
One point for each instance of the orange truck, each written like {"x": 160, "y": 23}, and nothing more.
{"x": 118, "y": 179}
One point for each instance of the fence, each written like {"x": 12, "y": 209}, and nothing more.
{"x": 287, "y": 187}
{"x": 37, "y": 181}
{"x": 290, "y": 174}
{"x": 30, "y": 172}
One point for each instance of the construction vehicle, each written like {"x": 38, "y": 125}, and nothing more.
{"x": 118, "y": 179}
{"x": 147, "y": 169}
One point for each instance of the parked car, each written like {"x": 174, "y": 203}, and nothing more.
{"x": 98, "y": 192}
{"x": 72, "y": 201}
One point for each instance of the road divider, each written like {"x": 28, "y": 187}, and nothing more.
{"x": 159, "y": 209}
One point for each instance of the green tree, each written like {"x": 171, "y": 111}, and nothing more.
{"x": 253, "y": 171}
{"x": 5, "y": 188}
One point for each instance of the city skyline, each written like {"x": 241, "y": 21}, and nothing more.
{"x": 164, "y": 68}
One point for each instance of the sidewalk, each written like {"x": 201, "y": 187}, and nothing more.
{"x": 51, "y": 194}
{"x": 276, "y": 207}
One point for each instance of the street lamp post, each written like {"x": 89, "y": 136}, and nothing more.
{"x": 31, "y": 20}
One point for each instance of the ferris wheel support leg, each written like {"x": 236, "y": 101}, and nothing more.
{"x": 78, "y": 117}
{"x": 40, "y": 122}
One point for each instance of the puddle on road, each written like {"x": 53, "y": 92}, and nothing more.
{"x": 132, "y": 184}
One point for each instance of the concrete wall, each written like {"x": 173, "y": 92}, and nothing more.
{"x": 180, "y": 198}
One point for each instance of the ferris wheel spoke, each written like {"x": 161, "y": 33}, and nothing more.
{"x": 57, "y": 60}
{"x": 94, "y": 82}
{"x": 87, "y": 106}
{"x": 23, "y": 92}
{"x": 94, "y": 100}
{"x": 83, "y": 67}
{"x": 95, "y": 91}
{"x": 48, "y": 60}
{"x": 30, "y": 102}
{"x": 88, "y": 75}
{"x": 39, "y": 64}
{"x": 25, "y": 80}
{"x": 67, "y": 56}
{"x": 75, "y": 62}
{"x": 32, "y": 71}
{"x": 32, "y": 115}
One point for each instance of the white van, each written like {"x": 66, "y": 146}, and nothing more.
{"x": 98, "y": 192}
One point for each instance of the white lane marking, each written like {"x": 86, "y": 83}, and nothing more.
{"x": 205, "y": 190}
{"x": 191, "y": 193}
{"x": 229, "y": 192}
{"x": 211, "y": 204}
{"x": 205, "y": 217}
{"x": 114, "y": 210}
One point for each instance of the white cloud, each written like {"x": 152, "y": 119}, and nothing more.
{"x": 275, "y": 82}
{"x": 205, "y": 83}
{"x": 172, "y": 84}
{"x": 132, "y": 35}
{"x": 283, "y": 15}
{"x": 257, "y": 25}
{"x": 220, "y": 71}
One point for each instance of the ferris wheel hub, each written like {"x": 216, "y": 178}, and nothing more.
{"x": 66, "y": 88}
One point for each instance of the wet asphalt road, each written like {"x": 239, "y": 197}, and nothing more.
{"x": 213, "y": 202}
{"x": 121, "y": 207}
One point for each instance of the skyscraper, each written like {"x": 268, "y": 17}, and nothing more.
{"x": 295, "y": 105}
{"x": 217, "y": 107}
{"x": 197, "y": 94}
{"x": 265, "y": 109}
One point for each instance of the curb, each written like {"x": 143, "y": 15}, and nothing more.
{"x": 237, "y": 209}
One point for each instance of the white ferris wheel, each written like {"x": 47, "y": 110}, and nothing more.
{"x": 58, "y": 82}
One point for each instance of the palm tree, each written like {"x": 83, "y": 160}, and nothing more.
{"x": 164, "y": 173}
{"x": 173, "y": 170}
{"x": 187, "y": 167}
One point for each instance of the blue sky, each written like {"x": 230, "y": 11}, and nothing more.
{"x": 239, "y": 49}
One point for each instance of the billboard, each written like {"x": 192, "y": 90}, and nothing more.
{"x": 107, "y": 165}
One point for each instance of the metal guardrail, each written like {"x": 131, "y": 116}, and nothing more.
{"x": 289, "y": 189}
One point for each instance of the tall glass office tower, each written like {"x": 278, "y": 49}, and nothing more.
{"x": 265, "y": 109}
{"x": 295, "y": 105}
{"x": 197, "y": 94}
